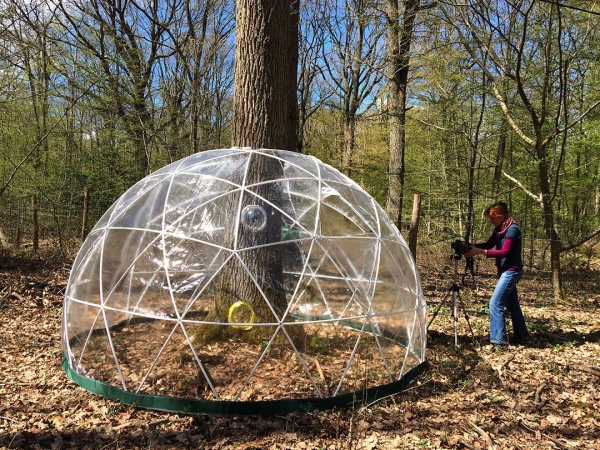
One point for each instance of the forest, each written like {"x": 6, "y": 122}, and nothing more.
{"x": 461, "y": 104}
{"x": 448, "y": 105}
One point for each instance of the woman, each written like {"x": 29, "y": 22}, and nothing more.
{"x": 505, "y": 245}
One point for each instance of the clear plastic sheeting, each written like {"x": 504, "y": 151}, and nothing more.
{"x": 244, "y": 275}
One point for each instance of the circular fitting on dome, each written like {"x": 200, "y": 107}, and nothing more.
{"x": 254, "y": 217}
{"x": 241, "y": 312}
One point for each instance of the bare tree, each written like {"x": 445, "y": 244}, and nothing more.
{"x": 311, "y": 87}
{"x": 353, "y": 64}
{"x": 28, "y": 37}
{"x": 123, "y": 41}
{"x": 400, "y": 25}
{"x": 196, "y": 82}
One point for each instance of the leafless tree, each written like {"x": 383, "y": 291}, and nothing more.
{"x": 353, "y": 63}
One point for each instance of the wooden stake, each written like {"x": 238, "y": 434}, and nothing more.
{"x": 414, "y": 226}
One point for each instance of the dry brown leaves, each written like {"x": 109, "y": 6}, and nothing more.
{"x": 540, "y": 396}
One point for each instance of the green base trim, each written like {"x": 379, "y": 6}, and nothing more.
{"x": 264, "y": 407}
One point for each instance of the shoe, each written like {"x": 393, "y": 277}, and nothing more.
{"x": 521, "y": 341}
{"x": 499, "y": 347}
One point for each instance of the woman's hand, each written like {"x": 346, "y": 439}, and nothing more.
{"x": 474, "y": 251}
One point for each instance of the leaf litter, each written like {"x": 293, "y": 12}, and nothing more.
{"x": 543, "y": 395}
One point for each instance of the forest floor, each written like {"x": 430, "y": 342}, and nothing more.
{"x": 543, "y": 395}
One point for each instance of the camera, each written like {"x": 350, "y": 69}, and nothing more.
{"x": 460, "y": 247}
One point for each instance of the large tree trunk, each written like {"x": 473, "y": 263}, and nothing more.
{"x": 400, "y": 40}
{"x": 265, "y": 113}
{"x": 265, "y": 116}
{"x": 348, "y": 145}
{"x": 551, "y": 233}
{"x": 256, "y": 277}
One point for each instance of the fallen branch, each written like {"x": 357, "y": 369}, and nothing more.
{"x": 555, "y": 441}
{"x": 500, "y": 369}
{"x": 588, "y": 369}
{"x": 318, "y": 366}
{"x": 469, "y": 446}
{"x": 108, "y": 445}
{"x": 163, "y": 420}
{"x": 538, "y": 391}
{"x": 8, "y": 418}
{"x": 17, "y": 296}
{"x": 483, "y": 434}
{"x": 539, "y": 404}
{"x": 323, "y": 380}
{"x": 125, "y": 425}
{"x": 139, "y": 424}
{"x": 538, "y": 434}
{"x": 507, "y": 362}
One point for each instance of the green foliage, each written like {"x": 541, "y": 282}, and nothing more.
{"x": 319, "y": 345}
{"x": 100, "y": 133}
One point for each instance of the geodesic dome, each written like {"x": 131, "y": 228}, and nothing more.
{"x": 309, "y": 291}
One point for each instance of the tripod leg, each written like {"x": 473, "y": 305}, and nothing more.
{"x": 437, "y": 310}
{"x": 455, "y": 316}
{"x": 462, "y": 305}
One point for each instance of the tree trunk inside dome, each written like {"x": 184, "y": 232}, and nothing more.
{"x": 265, "y": 116}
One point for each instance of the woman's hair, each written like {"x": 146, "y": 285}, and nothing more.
{"x": 499, "y": 208}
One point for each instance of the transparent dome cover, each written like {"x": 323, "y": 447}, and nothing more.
{"x": 242, "y": 276}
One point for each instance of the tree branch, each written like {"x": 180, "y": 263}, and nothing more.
{"x": 583, "y": 240}
{"x": 536, "y": 198}
{"x": 530, "y": 142}
{"x": 573, "y": 123}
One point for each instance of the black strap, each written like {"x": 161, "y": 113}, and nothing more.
{"x": 469, "y": 267}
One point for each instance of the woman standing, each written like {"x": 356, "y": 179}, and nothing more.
{"x": 505, "y": 245}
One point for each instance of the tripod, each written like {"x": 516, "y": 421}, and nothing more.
{"x": 456, "y": 300}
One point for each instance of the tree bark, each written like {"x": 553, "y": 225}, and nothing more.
{"x": 399, "y": 40}
{"x": 265, "y": 112}
{"x": 255, "y": 276}
{"x": 265, "y": 116}
{"x": 549, "y": 226}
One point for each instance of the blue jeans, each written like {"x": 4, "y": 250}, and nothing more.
{"x": 505, "y": 297}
